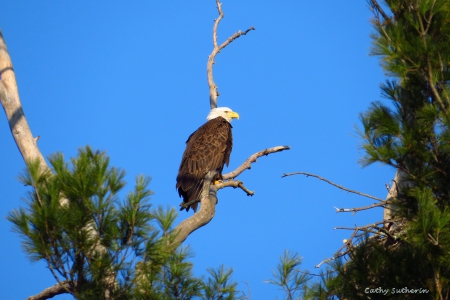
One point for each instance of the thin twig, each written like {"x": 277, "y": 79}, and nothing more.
{"x": 360, "y": 227}
{"x": 356, "y": 209}
{"x": 334, "y": 184}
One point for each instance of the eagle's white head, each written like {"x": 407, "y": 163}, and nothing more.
{"x": 223, "y": 112}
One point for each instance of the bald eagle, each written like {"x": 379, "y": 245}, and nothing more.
{"x": 207, "y": 149}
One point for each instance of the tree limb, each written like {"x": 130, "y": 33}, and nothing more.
{"x": 53, "y": 291}
{"x": 9, "y": 97}
{"x": 252, "y": 159}
{"x": 334, "y": 184}
{"x": 209, "y": 197}
{"x": 200, "y": 218}
{"x": 213, "y": 93}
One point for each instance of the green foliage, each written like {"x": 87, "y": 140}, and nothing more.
{"x": 220, "y": 285}
{"x": 105, "y": 247}
{"x": 289, "y": 277}
{"x": 411, "y": 134}
{"x": 411, "y": 260}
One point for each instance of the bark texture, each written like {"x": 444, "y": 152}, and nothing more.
{"x": 9, "y": 96}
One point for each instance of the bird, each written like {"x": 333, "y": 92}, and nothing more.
{"x": 207, "y": 149}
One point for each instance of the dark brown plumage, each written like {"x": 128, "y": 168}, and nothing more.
{"x": 207, "y": 149}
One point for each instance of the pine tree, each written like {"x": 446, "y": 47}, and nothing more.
{"x": 411, "y": 256}
{"x": 75, "y": 208}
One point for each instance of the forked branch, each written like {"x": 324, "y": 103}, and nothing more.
{"x": 213, "y": 93}
{"x": 209, "y": 198}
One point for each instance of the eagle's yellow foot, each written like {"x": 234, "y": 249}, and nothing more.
{"x": 216, "y": 182}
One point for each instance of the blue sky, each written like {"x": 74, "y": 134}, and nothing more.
{"x": 131, "y": 79}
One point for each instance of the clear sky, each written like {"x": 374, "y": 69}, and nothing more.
{"x": 131, "y": 79}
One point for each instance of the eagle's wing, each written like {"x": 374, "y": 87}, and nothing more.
{"x": 207, "y": 149}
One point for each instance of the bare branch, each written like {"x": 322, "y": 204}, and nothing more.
{"x": 57, "y": 289}
{"x": 371, "y": 228}
{"x": 209, "y": 198}
{"x": 356, "y": 209}
{"x": 9, "y": 97}
{"x": 252, "y": 159}
{"x": 334, "y": 184}
{"x": 357, "y": 228}
{"x": 213, "y": 93}
{"x": 347, "y": 244}
{"x": 234, "y": 184}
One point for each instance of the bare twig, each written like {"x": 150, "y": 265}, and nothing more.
{"x": 356, "y": 209}
{"x": 339, "y": 253}
{"x": 234, "y": 184}
{"x": 348, "y": 243}
{"x": 359, "y": 227}
{"x": 334, "y": 184}
{"x": 213, "y": 93}
{"x": 252, "y": 159}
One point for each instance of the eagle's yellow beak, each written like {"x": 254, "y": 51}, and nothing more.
{"x": 233, "y": 115}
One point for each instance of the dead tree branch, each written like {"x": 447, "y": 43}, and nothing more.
{"x": 373, "y": 228}
{"x": 334, "y": 184}
{"x": 247, "y": 164}
{"x": 339, "y": 253}
{"x": 213, "y": 93}
{"x": 209, "y": 197}
{"x": 234, "y": 184}
{"x": 356, "y": 209}
{"x": 57, "y": 289}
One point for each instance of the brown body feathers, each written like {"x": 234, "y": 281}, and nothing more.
{"x": 207, "y": 149}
